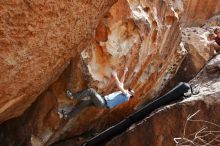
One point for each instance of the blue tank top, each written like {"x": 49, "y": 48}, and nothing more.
{"x": 116, "y": 98}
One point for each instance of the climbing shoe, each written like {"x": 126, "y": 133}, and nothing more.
{"x": 63, "y": 114}
{"x": 69, "y": 93}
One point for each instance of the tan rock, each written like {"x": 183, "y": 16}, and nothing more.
{"x": 59, "y": 53}
{"x": 200, "y": 50}
{"x": 38, "y": 39}
{"x": 167, "y": 123}
{"x": 196, "y": 12}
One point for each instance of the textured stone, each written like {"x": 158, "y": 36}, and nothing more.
{"x": 196, "y": 12}
{"x": 38, "y": 38}
{"x": 200, "y": 50}
{"x": 167, "y": 123}
{"x": 76, "y": 44}
{"x": 122, "y": 40}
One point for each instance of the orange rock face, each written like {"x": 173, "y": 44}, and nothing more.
{"x": 193, "y": 13}
{"x": 47, "y": 47}
{"x": 38, "y": 38}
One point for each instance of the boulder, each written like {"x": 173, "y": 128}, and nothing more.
{"x": 51, "y": 46}
{"x": 193, "y": 120}
{"x": 38, "y": 40}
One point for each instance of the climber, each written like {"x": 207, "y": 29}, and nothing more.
{"x": 215, "y": 39}
{"x": 108, "y": 101}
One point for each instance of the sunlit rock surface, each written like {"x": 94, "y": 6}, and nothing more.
{"x": 38, "y": 38}
{"x": 167, "y": 123}
{"x": 200, "y": 49}
{"x": 77, "y": 44}
{"x": 195, "y": 12}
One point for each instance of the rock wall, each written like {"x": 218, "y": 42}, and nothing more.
{"x": 38, "y": 38}
{"x": 197, "y": 20}
{"x": 136, "y": 39}
{"x": 76, "y": 45}
{"x": 184, "y": 119}
{"x": 196, "y": 12}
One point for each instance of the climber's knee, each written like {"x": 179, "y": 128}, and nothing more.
{"x": 92, "y": 91}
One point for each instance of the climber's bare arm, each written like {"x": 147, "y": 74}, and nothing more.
{"x": 214, "y": 44}
{"x": 123, "y": 76}
{"x": 118, "y": 83}
{"x": 211, "y": 42}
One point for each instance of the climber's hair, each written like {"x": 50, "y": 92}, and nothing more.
{"x": 211, "y": 36}
{"x": 131, "y": 92}
{"x": 217, "y": 30}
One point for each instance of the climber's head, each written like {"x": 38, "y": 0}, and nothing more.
{"x": 211, "y": 36}
{"x": 131, "y": 92}
{"x": 217, "y": 31}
